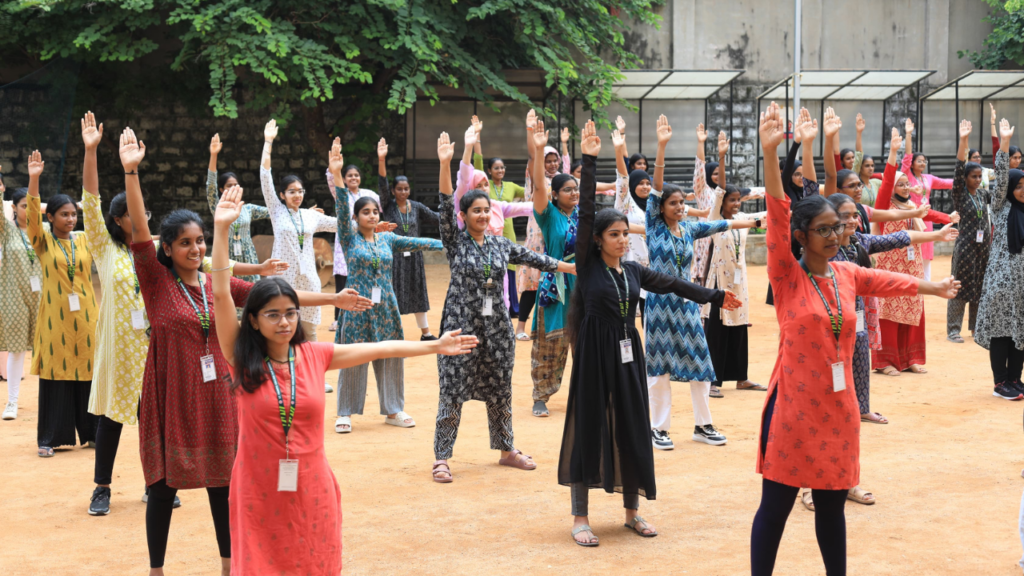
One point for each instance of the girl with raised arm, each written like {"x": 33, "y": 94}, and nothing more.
{"x": 913, "y": 167}
{"x": 353, "y": 178}
{"x": 676, "y": 348}
{"x": 810, "y": 432}
{"x": 706, "y": 178}
{"x": 65, "y": 341}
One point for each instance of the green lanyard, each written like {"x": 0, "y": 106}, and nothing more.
{"x": 300, "y": 228}
{"x": 71, "y": 261}
{"x": 28, "y": 249}
{"x": 974, "y": 202}
{"x": 135, "y": 273}
{"x": 405, "y": 220}
{"x": 835, "y": 321}
{"x": 736, "y": 244}
{"x": 623, "y": 303}
{"x": 375, "y": 259}
{"x": 287, "y": 417}
{"x": 204, "y": 315}
{"x": 488, "y": 254}
{"x": 675, "y": 254}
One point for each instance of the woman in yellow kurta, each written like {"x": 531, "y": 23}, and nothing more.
{"x": 66, "y": 324}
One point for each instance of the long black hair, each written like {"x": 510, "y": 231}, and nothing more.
{"x": 602, "y": 221}
{"x": 251, "y": 346}
{"x": 171, "y": 227}
{"x": 222, "y": 180}
{"x": 837, "y": 200}
{"x": 117, "y": 209}
{"x": 16, "y": 197}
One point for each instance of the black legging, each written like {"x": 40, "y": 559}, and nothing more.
{"x": 339, "y": 285}
{"x": 526, "y": 304}
{"x": 108, "y": 437}
{"x": 776, "y": 504}
{"x": 158, "y": 520}
{"x": 1007, "y": 361}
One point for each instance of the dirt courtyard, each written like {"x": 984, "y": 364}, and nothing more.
{"x": 945, "y": 473}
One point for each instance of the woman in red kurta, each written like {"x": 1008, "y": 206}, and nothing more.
{"x": 811, "y": 422}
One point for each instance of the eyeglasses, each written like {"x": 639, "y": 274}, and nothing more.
{"x": 849, "y": 216}
{"x": 856, "y": 186}
{"x": 275, "y": 317}
{"x": 826, "y": 231}
{"x": 295, "y": 191}
{"x": 573, "y": 190}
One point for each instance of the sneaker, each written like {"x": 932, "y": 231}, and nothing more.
{"x": 660, "y": 440}
{"x": 427, "y": 338}
{"x": 1018, "y": 386}
{"x": 1007, "y": 391}
{"x": 11, "y": 411}
{"x": 145, "y": 499}
{"x": 100, "y": 505}
{"x": 328, "y": 388}
{"x": 708, "y": 435}
{"x": 715, "y": 392}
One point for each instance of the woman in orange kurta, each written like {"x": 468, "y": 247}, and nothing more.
{"x": 811, "y": 422}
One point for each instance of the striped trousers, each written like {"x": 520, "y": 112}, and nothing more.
{"x": 390, "y": 376}
{"x": 449, "y": 414}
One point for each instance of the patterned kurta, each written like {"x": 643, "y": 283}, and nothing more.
{"x": 507, "y": 192}
{"x": 486, "y": 373}
{"x": 340, "y": 267}
{"x": 675, "y": 336}
{"x": 705, "y": 195}
{"x": 65, "y": 340}
{"x": 19, "y": 305}
{"x": 814, "y": 438}
{"x": 624, "y": 203}
{"x": 408, "y": 276}
{"x": 1001, "y": 311}
{"x": 729, "y": 256}
{"x": 240, "y": 239}
{"x": 301, "y": 272}
{"x": 903, "y": 309}
{"x": 527, "y": 278}
{"x": 970, "y": 257}
{"x": 383, "y": 321}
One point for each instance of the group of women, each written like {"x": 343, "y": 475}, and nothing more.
{"x": 213, "y": 399}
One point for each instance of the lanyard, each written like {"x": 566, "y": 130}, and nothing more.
{"x": 204, "y": 316}
{"x": 675, "y": 254}
{"x": 135, "y": 273}
{"x": 28, "y": 249}
{"x": 487, "y": 253}
{"x": 736, "y": 243}
{"x": 300, "y": 228}
{"x": 71, "y": 261}
{"x": 375, "y": 259}
{"x": 974, "y": 202}
{"x": 497, "y": 193}
{"x": 237, "y": 229}
{"x": 403, "y": 218}
{"x": 623, "y": 303}
{"x": 287, "y": 417}
{"x": 835, "y": 321}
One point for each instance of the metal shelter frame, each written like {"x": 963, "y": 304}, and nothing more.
{"x": 857, "y": 85}
{"x": 976, "y": 85}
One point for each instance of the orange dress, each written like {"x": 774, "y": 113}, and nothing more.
{"x": 285, "y": 532}
{"x": 814, "y": 436}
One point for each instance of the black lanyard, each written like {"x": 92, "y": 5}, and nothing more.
{"x": 286, "y": 417}
{"x": 71, "y": 261}
{"x": 623, "y": 303}
{"x": 300, "y": 228}
{"x": 204, "y": 315}
{"x": 835, "y": 321}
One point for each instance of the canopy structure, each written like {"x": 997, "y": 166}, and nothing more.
{"x": 976, "y": 85}
{"x": 845, "y": 85}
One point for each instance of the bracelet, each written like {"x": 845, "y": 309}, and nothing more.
{"x": 221, "y": 269}
{"x": 132, "y": 173}
{"x": 656, "y": 165}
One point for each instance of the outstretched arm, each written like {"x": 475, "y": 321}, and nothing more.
{"x": 269, "y": 134}
{"x": 810, "y": 132}
{"x": 723, "y": 151}
{"x": 449, "y": 344}
{"x": 590, "y": 144}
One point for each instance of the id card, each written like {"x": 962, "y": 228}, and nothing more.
{"x": 33, "y": 281}
{"x": 737, "y": 277}
{"x": 910, "y": 253}
{"x": 980, "y": 237}
{"x": 406, "y": 254}
{"x": 375, "y": 295}
{"x": 861, "y": 321}
{"x": 302, "y": 269}
{"x": 238, "y": 249}
{"x": 209, "y": 368}
{"x": 838, "y": 377}
{"x": 138, "y": 319}
{"x": 73, "y": 302}
{"x": 288, "y": 476}
{"x": 488, "y": 306}
{"x": 626, "y": 349}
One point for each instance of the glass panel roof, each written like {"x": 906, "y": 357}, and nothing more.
{"x": 982, "y": 85}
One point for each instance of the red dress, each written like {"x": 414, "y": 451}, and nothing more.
{"x": 188, "y": 430}
{"x": 285, "y": 532}
{"x": 814, "y": 438}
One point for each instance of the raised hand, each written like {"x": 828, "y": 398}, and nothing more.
{"x": 664, "y": 130}
{"x": 723, "y": 143}
{"x": 702, "y": 134}
{"x": 618, "y": 140}
{"x": 349, "y": 299}
{"x": 531, "y": 119}
{"x": 270, "y": 131}
{"x": 771, "y": 128}
{"x": 478, "y": 126}
{"x": 908, "y": 126}
{"x": 215, "y": 145}
{"x": 992, "y": 117}
{"x": 35, "y": 164}
{"x": 335, "y": 161}
{"x": 949, "y": 233}
{"x": 1005, "y": 130}
{"x": 565, "y": 135}
{"x": 382, "y": 148}
{"x": 896, "y": 141}
{"x": 132, "y": 150}
{"x": 229, "y": 207}
{"x": 445, "y": 149}
{"x": 540, "y": 135}
{"x": 965, "y": 128}
{"x": 832, "y": 123}
{"x": 470, "y": 137}
{"x": 861, "y": 124}
{"x": 591, "y": 142}
{"x": 731, "y": 302}
{"x": 620, "y": 124}
{"x": 809, "y": 125}
{"x": 452, "y": 344}
{"x": 272, "y": 267}
{"x": 91, "y": 134}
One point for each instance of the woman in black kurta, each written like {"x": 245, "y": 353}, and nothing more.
{"x": 607, "y": 441}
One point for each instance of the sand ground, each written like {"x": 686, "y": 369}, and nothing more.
{"x": 945, "y": 472}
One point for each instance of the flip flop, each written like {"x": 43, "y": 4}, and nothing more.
{"x": 917, "y": 369}
{"x": 715, "y": 392}
{"x": 956, "y": 338}
{"x": 807, "y": 500}
{"x": 752, "y": 386}
{"x": 584, "y": 528}
{"x": 45, "y": 452}
{"x": 343, "y": 421}
{"x": 889, "y": 371}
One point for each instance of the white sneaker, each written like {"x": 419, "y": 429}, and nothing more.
{"x": 11, "y": 411}
{"x": 328, "y": 388}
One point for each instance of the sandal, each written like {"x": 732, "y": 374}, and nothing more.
{"x": 807, "y": 500}
{"x": 343, "y": 425}
{"x": 513, "y": 460}
{"x": 638, "y": 520}
{"x": 715, "y": 392}
{"x": 584, "y": 528}
{"x": 889, "y": 371}
{"x": 955, "y": 338}
{"x": 540, "y": 409}
{"x": 874, "y": 418}
{"x": 45, "y": 452}
{"x": 523, "y": 337}
{"x": 751, "y": 386}
{"x": 441, "y": 467}
{"x": 917, "y": 369}
{"x": 860, "y": 496}
{"x": 400, "y": 420}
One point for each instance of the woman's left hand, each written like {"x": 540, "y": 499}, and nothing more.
{"x": 452, "y": 344}
{"x": 229, "y": 207}
{"x": 949, "y": 233}
{"x": 948, "y": 288}
{"x": 954, "y": 218}
{"x": 731, "y": 301}
{"x": 349, "y": 299}
{"x": 385, "y": 227}
{"x": 273, "y": 267}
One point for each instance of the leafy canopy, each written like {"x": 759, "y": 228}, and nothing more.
{"x": 1006, "y": 41}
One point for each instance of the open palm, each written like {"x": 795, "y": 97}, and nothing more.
{"x": 452, "y": 344}
{"x": 445, "y": 148}
{"x": 229, "y": 207}
{"x": 131, "y": 150}
{"x": 91, "y": 134}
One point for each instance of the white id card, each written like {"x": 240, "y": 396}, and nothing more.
{"x": 910, "y": 253}
{"x": 861, "y": 321}
{"x": 288, "y": 476}
{"x": 406, "y": 254}
{"x": 238, "y": 249}
{"x": 375, "y": 295}
{"x": 138, "y": 319}
{"x": 488, "y": 306}
{"x": 73, "y": 303}
{"x": 626, "y": 348}
{"x": 301, "y": 267}
{"x": 980, "y": 237}
{"x": 209, "y": 368}
{"x": 737, "y": 277}
{"x": 33, "y": 281}
{"x": 838, "y": 377}
{"x": 643, "y": 293}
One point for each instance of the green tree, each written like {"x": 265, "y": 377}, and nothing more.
{"x": 1006, "y": 41}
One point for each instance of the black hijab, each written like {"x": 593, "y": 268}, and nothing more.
{"x": 635, "y": 177}
{"x": 1015, "y": 221}
{"x": 709, "y": 171}
{"x": 795, "y": 191}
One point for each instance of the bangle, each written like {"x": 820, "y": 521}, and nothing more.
{"x": 221, "y": 269}
{"x": 132, "y": 173}
{"x": 656, "y": 165}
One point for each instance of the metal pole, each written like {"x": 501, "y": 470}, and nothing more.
{"x": 981, "y": 128}
{"x": 786, "y": 127}
{"x": 730, "y": 119}
{"x": 757, "y": 149}
{"x": 881, "y": 151}
{"x": 920, "y": 115}
{"x": 956, "y": 118}
{"x": 796, "y": 56}
{"x": 640, "y": 132}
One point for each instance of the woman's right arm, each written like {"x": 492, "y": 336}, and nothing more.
{"x": 1002, "y": 166}
{"x": 590, "y": 145}
{"x": 450, "y": 344}
{"x": 132, "y": 152}
{"x": 908, "y": 154}
{"x": 335, "y": 163}
{"x": 92, "y": 213}
{"x": 35, "y": 215}
{"x": 227, "y": 212}
{"x": 831, "y": 127}
{"x": 884, "y": 199}
{"x": 266, "y": 175}
{"x": 211, "y": 174}
{"x": 383, "y": 187}
{"x": 621, "y": 177}
{"x": 449, "y": 224}
{"x": 540, "y": 139}
{"x": 664, "y": 132}
{"x": 702, "y": 137}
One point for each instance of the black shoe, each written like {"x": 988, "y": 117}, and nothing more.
{"x": 145, "y": 499}
{"x": 100, "y": 505}
{"x": 1018, "y": 386}
{"x": 708, "y": 435}
{"x": 660, "y": 440}
{"x": 427, "y": 338}
{"x": 1007, "y": 391}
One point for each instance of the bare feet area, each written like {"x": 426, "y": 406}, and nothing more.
{"x": 946, "y": 472}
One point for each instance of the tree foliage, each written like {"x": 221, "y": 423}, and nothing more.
{"x": 1006, "y": 41}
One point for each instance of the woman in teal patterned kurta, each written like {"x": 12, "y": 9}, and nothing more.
{"x": 369, "y": 272}
{"x": 240, "y": 243}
